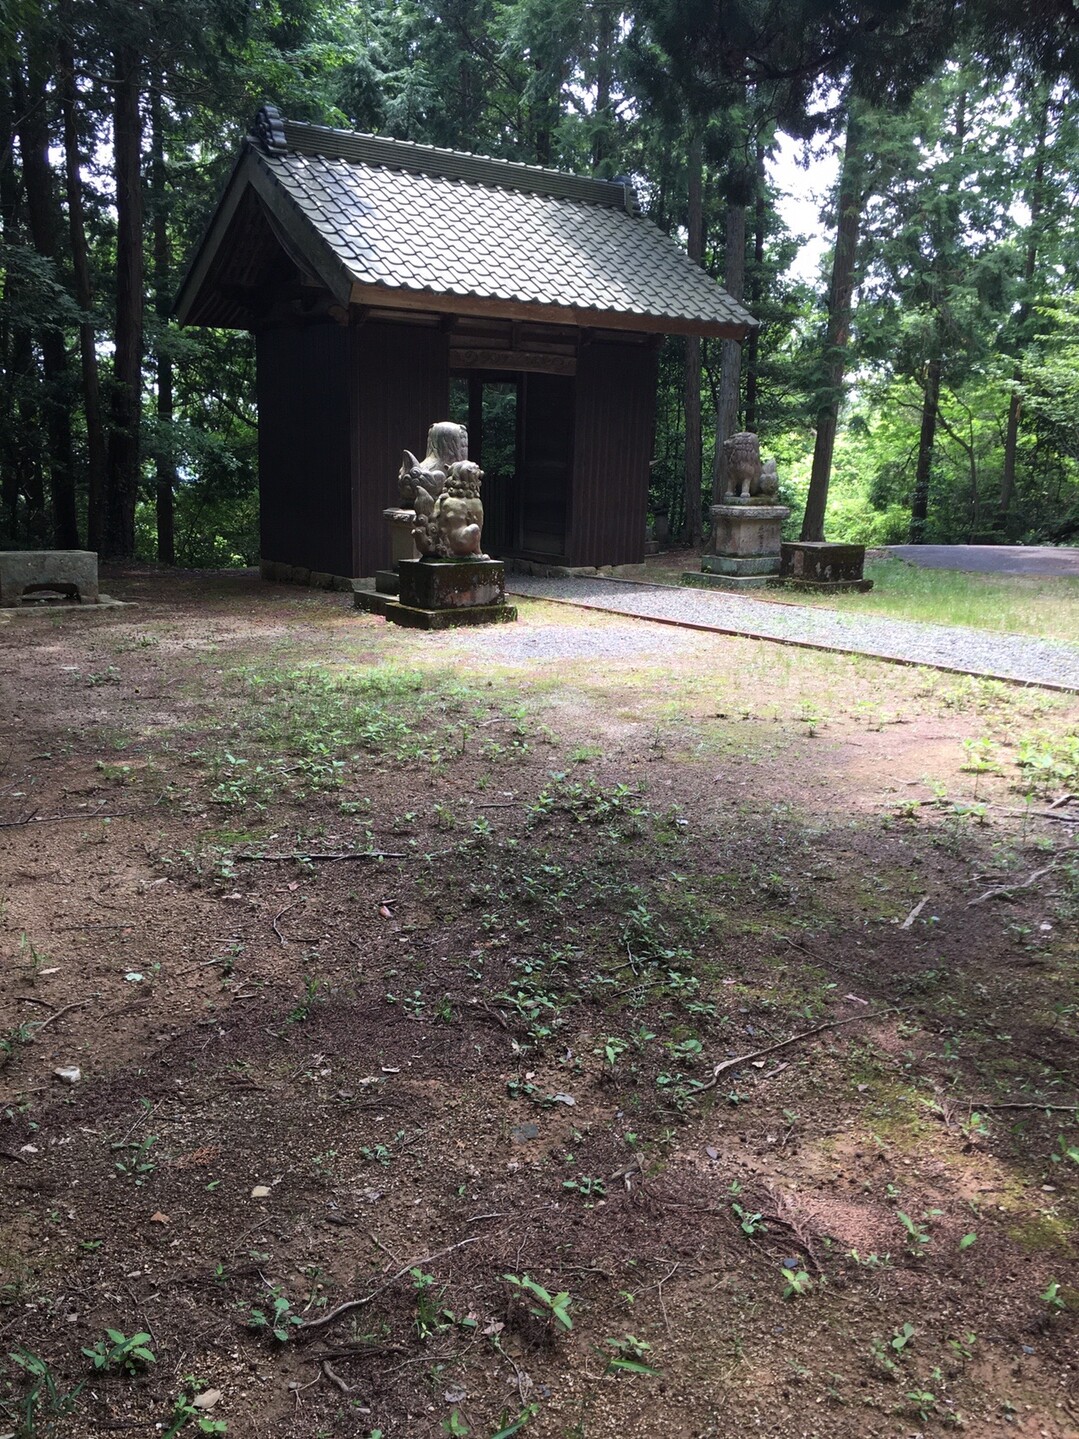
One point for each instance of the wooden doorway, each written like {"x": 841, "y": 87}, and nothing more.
{"x": 520, "y": 430}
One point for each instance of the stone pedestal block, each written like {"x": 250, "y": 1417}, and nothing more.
{"x": 745, "y": 539}
{"x": 431, "y": 584}
{"x": 437, "y": 593}
{"x": 72, "y": 573}
{"x": 402, "y": 544}
{"x": 820, "y": 565}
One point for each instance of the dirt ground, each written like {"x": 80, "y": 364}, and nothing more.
{"x": 431, "y": 998}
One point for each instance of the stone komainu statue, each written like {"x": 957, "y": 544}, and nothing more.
{"x": 443, "y": 491}
{"x": 747, "y": 478}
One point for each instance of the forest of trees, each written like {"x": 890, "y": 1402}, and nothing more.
{"x": 926, "y": 385}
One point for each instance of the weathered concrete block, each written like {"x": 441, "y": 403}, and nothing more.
{"x": 365, "y": 597}
{"x": 452, "y": 584}
{"x": 820, "y": 562}
{"x": 68, "y": 572}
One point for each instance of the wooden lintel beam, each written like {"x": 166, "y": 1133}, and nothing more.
{"x": 537, "y": 362}
{"x": 403, "y": 299}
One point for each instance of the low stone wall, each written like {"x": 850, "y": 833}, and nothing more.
{"x": 567, "y": 572}
{"x": 283, "y": 574}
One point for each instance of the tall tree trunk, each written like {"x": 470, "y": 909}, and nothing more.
{"x": 606, "y": 16}
{"x": 692, "y": 522}
{"x": 12, "y": 336}
{"x": 1035, "y": 202}
{"x": 730, "y": 365}
{"x": 840, "y": 304}
{"x": 122, "y": 475}
{"x": 91, "y": 385}
{"x": 945, "y": 245}
{"x": 756, "y": 289}
{"x": 44, "y": 223}
{"x": 919, "y": 507}
{"x": 165, "y": 467}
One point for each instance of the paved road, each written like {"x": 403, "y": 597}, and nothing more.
{"x": 1052, "y": 663}
{"x": 991, "y": 559}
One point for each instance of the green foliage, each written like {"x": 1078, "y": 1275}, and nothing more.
{"x": 1048, "y": 763}
{"x": 128, "y": 1353}
{"x": 797, "y": 1283}
{"x": 279, "y": 1321}
{"x": 185, "y": 1411}
{"x": 551, "y": 1309}
{"x": 952, "y": 269}
{"x": 42, "y": 1400}
{"x": 629, "y": 1355}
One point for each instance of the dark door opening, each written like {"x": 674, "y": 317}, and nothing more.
{"x": 520, "y": 431}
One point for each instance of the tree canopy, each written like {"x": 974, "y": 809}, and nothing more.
{"x": 924, "y": 384}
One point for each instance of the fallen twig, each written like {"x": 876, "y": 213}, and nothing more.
{"x": 998, "y": 891}
{"x": 79, "y": 1004}
{"x": 314, "y": 858}
{"x": 311, "y": 1324}
{"x": 280, "y": 913}
{"x": 205, "y": 963}
{"x": 739, "y": 1060}
{"x": 915, "y": 912}
{"x": 34, "y": 818}
{"x": 1063, "y": 800}
{"x": 1053, "y": 1108}
{"x": 335, "y": 1378}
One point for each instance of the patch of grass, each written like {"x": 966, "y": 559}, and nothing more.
{"x": 1016, "y": 604}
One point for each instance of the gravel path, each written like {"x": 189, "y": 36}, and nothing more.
{"x": 1052, "y": 663}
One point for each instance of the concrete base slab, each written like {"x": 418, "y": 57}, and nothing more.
{"x": 447, "y": 619}
{"x": 698, "y": 579}
{"x": 366, "y": 597}
{"x": 63, "y": 607}
{"x": 740, "y": 565}
{"x": 826, "y": 587}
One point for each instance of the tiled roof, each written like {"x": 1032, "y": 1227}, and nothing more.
{"x": 395, "y": 219}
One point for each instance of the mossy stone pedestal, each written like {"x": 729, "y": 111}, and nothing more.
{"x": 823, "y": 566}
{"x": 439, "y": 594}
{"x": 745, "y": 545}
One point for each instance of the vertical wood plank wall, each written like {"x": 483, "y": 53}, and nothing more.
{"x": 612, "y": 453}
{"x": 400, "y": 385}
{"x": 305, "y": 494}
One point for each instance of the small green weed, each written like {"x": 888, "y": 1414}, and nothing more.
{"x": 42, "y": 1398}
{"x": 551, "y": 1309}
{"x": 629, "y": 1356}
{"x": 185, "y": 1411}
{"x": 750, "y": 1223}
{"x": 1048, "y": 763}
{"x": 797, "y": 1283}
{"x": 126, "y": 1352}
{"x": 278, "y": 1322}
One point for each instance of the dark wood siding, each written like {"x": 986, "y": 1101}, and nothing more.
{"x": 545, "y": 466}
{"x": 305, "y": 489}
{"x": 400, "y": 387}
{"x": 612, "y": 453}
